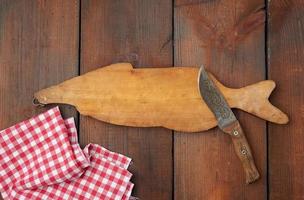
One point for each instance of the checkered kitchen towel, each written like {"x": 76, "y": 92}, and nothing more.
{"x": 101, "y": 174}
{"x": 99, "y": 151}
{"x": 36, "y": 152}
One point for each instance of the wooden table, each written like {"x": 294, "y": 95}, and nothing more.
{"x": 43, "y": 42}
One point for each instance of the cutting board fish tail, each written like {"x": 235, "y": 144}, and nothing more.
{"x": 254, "y": 99}
{"x": 149, "y": 97}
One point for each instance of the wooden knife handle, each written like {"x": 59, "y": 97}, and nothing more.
{"x": 243, "y": 151}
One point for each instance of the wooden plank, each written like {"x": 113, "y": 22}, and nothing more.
{"x": 138, "y": 32}
{"x": 38, "y": 48}
{"x": 286, "y": 60}
{"x": 228, "y": 38}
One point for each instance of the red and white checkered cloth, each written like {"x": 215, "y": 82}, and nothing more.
{"x": 96, "y": 150}
{"x": 36, "y": 152}
{"x": 81, "y": 158}
{"x": 115, "y": 158}
{"x": 94, "y": 173}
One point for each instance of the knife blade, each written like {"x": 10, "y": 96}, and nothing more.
{"x": 228, "y": 123}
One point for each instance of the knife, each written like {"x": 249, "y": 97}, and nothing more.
{"x": 228, "y": 123}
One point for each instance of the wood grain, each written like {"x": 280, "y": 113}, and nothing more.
{"x": 138, "y": 32}
{"x": 119, "y": 94}
{"x": 286, "y": 61}
{"x": 38, "y": 48}
{"x": 205, "y": 166}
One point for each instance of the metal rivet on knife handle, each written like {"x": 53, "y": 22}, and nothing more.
{"x": 235, "y": 132}
{"x": 244, "y": 151}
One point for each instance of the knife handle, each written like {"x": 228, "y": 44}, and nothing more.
{"x": 243, "y": 151}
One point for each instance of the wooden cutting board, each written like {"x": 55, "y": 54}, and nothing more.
{"x": 149, "y": 97}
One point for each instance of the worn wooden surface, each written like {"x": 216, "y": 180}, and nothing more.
{"x": 286, "y": 65}
{"x": 39, "y": 47}
{"x": 134, "y": 31}
{"x": 205, "y": 165}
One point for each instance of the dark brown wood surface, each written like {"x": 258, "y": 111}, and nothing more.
{"x": 286, "y": 66}
{"x": 38, "y": 48}
{"x": 43, "y": 42}
{"x": 206, "y": 166}
{"x": 130, "y": 31}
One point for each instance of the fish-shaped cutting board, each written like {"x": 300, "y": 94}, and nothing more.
{"x": 149, "y": 97}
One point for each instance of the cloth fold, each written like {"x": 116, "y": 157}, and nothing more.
{"x": 40, "y": 158}
{"x": 36, "y": 152}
